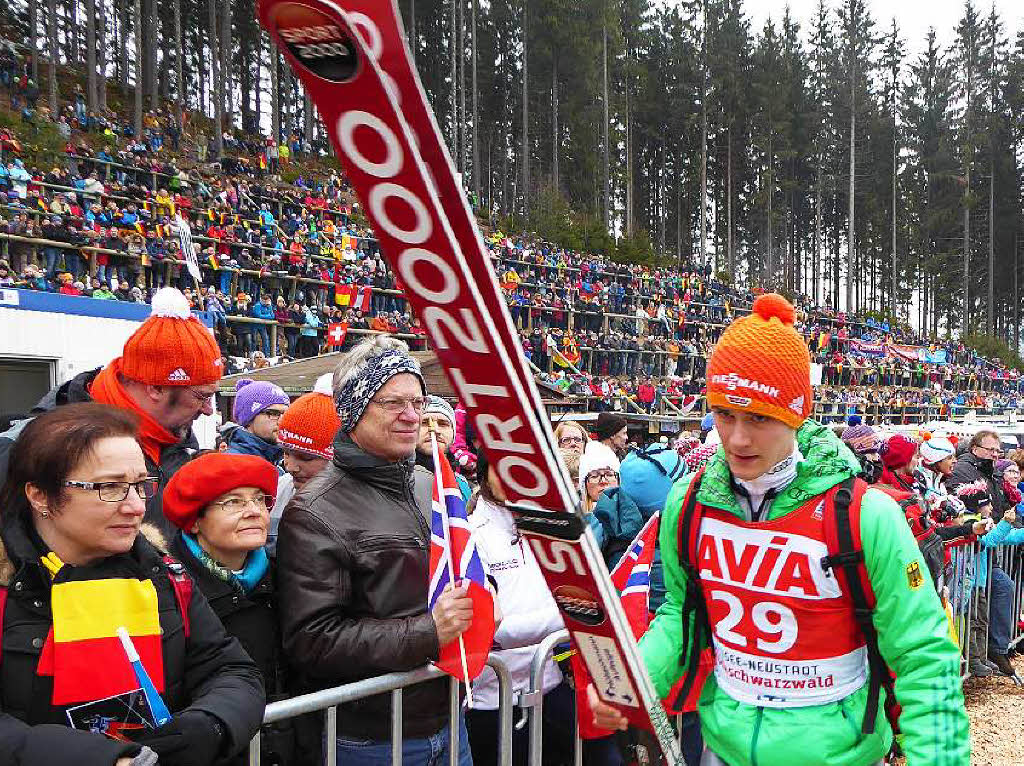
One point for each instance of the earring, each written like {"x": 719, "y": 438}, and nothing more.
{"x": 45, "y": 514}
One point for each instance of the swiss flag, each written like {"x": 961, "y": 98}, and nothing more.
{"x": 336, "y": 332}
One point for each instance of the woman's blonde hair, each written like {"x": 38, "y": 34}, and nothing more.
{"x": 565, "y": 425}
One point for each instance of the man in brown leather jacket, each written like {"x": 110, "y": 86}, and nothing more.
{"x": 353, "y": 560}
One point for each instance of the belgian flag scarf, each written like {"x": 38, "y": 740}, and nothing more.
{"x": 82, "y": 651}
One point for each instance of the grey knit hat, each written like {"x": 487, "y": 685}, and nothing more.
{"x": 438, "y": 406}
{"x": 365, "y": 370}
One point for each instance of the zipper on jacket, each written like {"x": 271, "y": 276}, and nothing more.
{"x": 753, "y": 739}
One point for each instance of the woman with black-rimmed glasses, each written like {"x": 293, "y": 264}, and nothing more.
{"x": 74, "y": 568}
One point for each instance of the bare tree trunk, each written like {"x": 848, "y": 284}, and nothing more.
{"x": 990, "y": 323}
{"x": 218, "y": 82}
{"x": 152, "y": 32}
{"x": 895, "y": 168}
{"x": 605, "y": 129}
{"x": 54, "y": 55}
{"x": 851, "y": 243}
{"x": 461, "y": 73}
{"x": 526, "y": 121}
{"x": 101, "y": 51}
{"x": 123, "y": 12}
{"x": 629, "y": 157}
{"x": 90, "y": 53}
{"x": 816, "y": 278}
{"x": 967, "y": 256}
{"x": 33, "y": 46}
{"x": 226, "y": 48}
{"x": 703, "y": 195}
{"x": 476, "y": 120}
{"x": 275, "y": 92}
{"x": 769, "y": 277}
{"x": 308, "y": 125}
{"x": 138, "y": 24}
{"x": 411, "y": 34}
{"x": 179, "y": 56}
{"x": 729, "y": 252}
{"x": 74, "y": 46}
{"x": 554, "y": 122}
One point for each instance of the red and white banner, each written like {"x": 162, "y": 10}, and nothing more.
{"x": 352, "y": 60}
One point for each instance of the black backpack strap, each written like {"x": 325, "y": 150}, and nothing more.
{"x": 693, "y": 600}
{"x": 846, "y": 557}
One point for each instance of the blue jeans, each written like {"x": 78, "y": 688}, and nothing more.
{"x": 430, "y": 751}
{"x": 52, "y": 259}
{"x": 264, "y": 336}
{"x": 1000, "y": 611}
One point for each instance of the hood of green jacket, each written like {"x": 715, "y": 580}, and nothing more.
{"x": 826, "y": 462}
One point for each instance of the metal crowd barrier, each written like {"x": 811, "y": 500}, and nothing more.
{"x": 328, "y": 700}
{"x": 969, "y": 626}
{"x": 972, "y": 616}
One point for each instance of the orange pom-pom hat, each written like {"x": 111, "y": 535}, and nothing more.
{"x": 761, "y": 365}
{"x": 172, "y": 347}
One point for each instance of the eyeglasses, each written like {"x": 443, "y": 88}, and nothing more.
{"x": 200, "y": 396}
{"x": 117, "y": 491}
{"x": 235, "y": 505}
{"x": 397, "y": 406}
{"x": 602, "y": 476}
{"x": 565, "y": 441}
{"x": 992, "y": 450}
{"x": 273, "y": 414}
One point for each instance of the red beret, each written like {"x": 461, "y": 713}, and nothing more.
{"x": 201, "y": 481}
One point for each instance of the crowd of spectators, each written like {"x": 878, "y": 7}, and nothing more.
{"x": 272, "y": 254}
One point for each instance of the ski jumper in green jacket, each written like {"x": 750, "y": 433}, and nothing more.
{"x": 913, "y": 636}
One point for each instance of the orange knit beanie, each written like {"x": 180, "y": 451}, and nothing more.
{"x": 761, "y": 365}
{"x": 311, "y": 422}
{"x": 172, "y": 347}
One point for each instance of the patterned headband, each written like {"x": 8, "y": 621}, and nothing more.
{"x": 364, "y": 382}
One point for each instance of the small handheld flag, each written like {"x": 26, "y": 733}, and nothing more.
{"x": 632, "y": 577}
{"x": 161, "y": 714}
{"x": 453, "y": 559}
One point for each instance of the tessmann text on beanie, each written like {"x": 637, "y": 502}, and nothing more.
{"x": 761, "y": 365}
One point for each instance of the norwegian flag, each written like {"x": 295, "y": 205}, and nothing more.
{"x": 452, "y": 547}
{"x": 632, "y": 577}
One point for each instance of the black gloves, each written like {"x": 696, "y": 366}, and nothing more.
{"x": 191, "y": 738}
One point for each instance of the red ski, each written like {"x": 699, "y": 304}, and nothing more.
{"x": 352, "y": 59}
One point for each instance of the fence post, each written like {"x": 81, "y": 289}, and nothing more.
{"x": 331, "y": 735}
{"x": 396, "y": 727}
{"x": 533, "y": 699}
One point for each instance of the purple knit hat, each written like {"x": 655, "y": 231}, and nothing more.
{"x": 860, "y": 437}
{"x": 254, "y": 396}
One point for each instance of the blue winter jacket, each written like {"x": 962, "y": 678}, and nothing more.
{"x": 243, "y": 442}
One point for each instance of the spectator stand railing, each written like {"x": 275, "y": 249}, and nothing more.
{"x": 709, "y": 283}
{"x": 328, "y": 700}
{"x": 154, "y": 173}
{"x": 192, "y": 211}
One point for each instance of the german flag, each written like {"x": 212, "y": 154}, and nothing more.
{"x": 83, "y": 652}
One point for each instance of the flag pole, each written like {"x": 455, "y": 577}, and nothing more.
{"x": 439, "y": 487}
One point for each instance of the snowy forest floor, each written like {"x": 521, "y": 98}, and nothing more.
{"x": 994, "y": 706}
